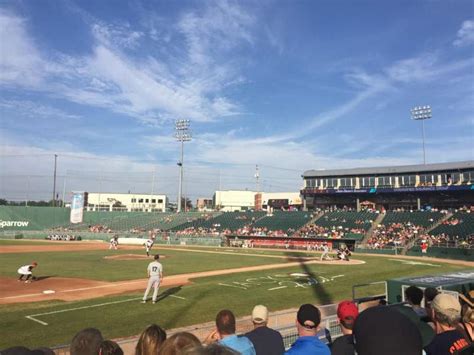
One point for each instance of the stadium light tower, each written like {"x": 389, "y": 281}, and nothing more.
{"x": 421, "y": 113}
{"x": 183, "y": 134}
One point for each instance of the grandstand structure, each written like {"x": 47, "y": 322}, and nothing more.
{"x": 444, "y": 185}
{"x": 446, "y": 231}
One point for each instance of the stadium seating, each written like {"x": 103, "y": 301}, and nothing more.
{"x": 419, "y": 218}
{"x": 347, "y": 220}
{"x": 221, "y": 221}
{"x": 460, "y": 224}
{"x": 284, "y": 221}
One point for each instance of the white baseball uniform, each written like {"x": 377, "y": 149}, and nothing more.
{"x": 325, "y": 254}
{"x": 25, "y": 270}
{"x": 113, "y": 243}
{"x": 148, "y": 244}
{"x": 155, "y": 274}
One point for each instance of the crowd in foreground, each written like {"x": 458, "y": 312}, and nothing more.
{"x": 444, "y": 326}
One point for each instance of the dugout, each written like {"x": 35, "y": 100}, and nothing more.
{"x": 293, "y": 243}
{"x": 459, "y": 281}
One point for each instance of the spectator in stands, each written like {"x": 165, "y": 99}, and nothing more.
{"x": 266, "y": 341}
{"x": 466, "y": 325}
{"x": 17, "y": 350}
{"x": 429, "y": 293}
{"x": 446, "y": 314}
{"x": 225, "y": 334}
{"x": 150, "y": 340}
{"x": 86, "y": 342}
{"x": 180, "y": 343}
{"x": 308, "y": 319}
{"x": 347, "y": 313}
{"x": 382, "y": 330}
{"x": 215, "y": 349}
{"x": 414, "y": 296}
{"x": 109, "y": 347}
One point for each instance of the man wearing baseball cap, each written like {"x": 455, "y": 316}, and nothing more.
{"x": 307, "y": 324}
{"x": 266, "y": 341}
{"x": 446, "y": 314}
{"x": 347, "y": 313}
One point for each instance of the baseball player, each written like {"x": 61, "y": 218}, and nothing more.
{"x": 114, "y": 243}
{"x": 26, "y": 270}
{"x": 155, "y": 276}
{"x": 325, "y": 254}
{"x": 148, "y": 244}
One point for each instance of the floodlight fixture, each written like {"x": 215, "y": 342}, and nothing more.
{"x": 422, "y": 113}
{"x": 182, "y": 134}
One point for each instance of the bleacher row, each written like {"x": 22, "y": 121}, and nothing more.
{"x": 444, "y": 226}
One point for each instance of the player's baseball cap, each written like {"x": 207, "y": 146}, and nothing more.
{"x": 259, "y": 314}
{"x": 157, "y": 256}
{"x": 308, "y": 316}
{"x": 347, "y": 309}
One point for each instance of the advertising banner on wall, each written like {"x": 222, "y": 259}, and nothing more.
{"x": 77, "y": 207}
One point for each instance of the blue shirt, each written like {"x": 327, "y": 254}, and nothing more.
{"x": 241, "y": 344}
{"x": 308, "y": 345}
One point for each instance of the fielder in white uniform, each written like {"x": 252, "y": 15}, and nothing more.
{"x": 113, "y": 243}
{"x": 26, "y": 270}
{"x": 148, "y": 244}
{"x": 155, "y": 276}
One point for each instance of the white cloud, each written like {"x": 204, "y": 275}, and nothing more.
{"x": 20, "y": 61}
{"x": 147, "y": 89}
{"x": 34, "y": 109}
{"x": 220, "y": 27}
{"x": 465, "y": 35}
{"x": 116, "y": 35}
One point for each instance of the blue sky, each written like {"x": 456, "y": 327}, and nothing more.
{"x": 287, "y": 85}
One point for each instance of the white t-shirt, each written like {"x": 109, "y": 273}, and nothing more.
{"x": 155, "y": 268}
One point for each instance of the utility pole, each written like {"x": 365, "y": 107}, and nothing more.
{"x": 54, "y": 183}
{"x": 257, "y": 178}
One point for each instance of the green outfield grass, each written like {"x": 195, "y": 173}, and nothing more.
{"x": 278, "y": 289}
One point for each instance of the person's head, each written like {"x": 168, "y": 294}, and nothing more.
{"x": 86, "y": 342}
{"x": 382, "y": 330}
{"x": 150, "y": 340}
{"x": 467, "y": 314}
{"x": 446, "y": 310}
{"x": 414, "y": 295}
{"x": 259, "y": 315}
{"x": 34, "y": 264}
{"x": 109, "y": 347}
{"x": 430, "y": 293}
{"x": 157, "y": 257}
{"x": 225, "y": 322}
{"x": 308, "y": 319}
{"x": 215, "y": 349}
{"x": 347, "y": 313}
{"x": 179, "y": 344}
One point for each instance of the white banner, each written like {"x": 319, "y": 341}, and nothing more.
{"x": 77, "y": 207}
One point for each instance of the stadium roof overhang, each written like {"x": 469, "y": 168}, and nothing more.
{"x": 403, "y": 169}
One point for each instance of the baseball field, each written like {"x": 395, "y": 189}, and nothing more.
{"x": 84, "y": 284}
